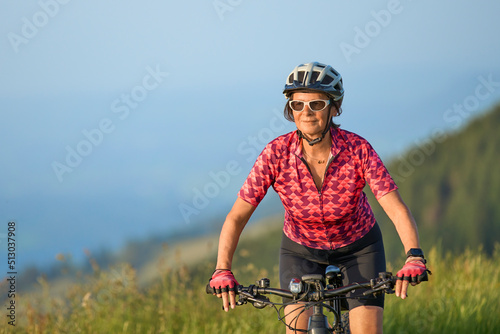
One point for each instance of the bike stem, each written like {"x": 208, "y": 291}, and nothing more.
{"x": 318, "y": 322}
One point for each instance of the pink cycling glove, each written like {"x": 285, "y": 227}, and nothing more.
{"x": 223, "y": 281}
{"x": 414, "y": 272}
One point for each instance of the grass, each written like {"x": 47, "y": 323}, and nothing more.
{"x": 461, "y": 297}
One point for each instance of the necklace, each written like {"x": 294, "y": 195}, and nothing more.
{"x": 319, "y": 161}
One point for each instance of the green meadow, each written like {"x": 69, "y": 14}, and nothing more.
{"x": 461, "y": 297}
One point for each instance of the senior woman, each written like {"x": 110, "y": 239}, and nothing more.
{"x": 319, "y": 172}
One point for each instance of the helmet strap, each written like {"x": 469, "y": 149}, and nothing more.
{"x": 311, "y": 142}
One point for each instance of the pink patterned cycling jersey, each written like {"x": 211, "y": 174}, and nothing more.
{"x": 334, "y": 216}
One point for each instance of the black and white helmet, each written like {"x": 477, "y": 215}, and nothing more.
{"x": 315, "y": 76}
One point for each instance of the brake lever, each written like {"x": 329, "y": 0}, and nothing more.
{"x": 381, "y": 289}
{"x": 383, "y": 286}
{"x": 258, "y": 301}
{"x": 388, "y": 283}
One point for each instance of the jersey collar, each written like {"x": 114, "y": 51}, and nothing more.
{"x": 338, "y": 142}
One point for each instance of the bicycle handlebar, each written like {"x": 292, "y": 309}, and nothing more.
{"x": 384, "y": 283}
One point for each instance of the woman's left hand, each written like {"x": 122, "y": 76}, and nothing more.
{"x": 414, "y": 271}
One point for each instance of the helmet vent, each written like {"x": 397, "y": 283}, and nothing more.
{"x": 327, "y": 80}
{"x": 314, "y": 77}
{"x": 301, "y": 76}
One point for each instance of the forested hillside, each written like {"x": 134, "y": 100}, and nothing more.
{"x": 451, "y": 183}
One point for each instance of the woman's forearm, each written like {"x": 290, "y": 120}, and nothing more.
{"x": 231, "y": 231}
{"x": 402, "y": 219}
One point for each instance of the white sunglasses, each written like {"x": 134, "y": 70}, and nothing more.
{"x": 314, "y": 105}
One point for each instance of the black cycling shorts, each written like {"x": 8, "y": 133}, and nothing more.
{"x": 359, "y": 262}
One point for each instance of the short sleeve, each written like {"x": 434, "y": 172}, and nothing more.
{"x": 261, "y": 176}
{"x": 376, "y": 174}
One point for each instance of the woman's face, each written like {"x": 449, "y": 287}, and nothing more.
{"x": 311, "y": 123}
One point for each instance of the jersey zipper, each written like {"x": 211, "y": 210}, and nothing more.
{"x": 326, "y": 170}
{"x": 320, "y": 191}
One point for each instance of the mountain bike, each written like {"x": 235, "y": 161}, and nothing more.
{"x": 314, "y": 291}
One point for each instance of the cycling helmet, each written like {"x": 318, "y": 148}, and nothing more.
{"x": 315, "y": 76}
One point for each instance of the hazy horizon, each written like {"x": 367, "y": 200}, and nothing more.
{"x": 117, "y": 118}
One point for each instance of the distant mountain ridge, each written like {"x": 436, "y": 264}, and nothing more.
{"x": 452, "y": 185}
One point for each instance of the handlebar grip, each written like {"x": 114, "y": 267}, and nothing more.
{"x": 209, "y": 290}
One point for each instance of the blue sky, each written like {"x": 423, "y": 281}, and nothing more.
{"x": 166, "y": 103}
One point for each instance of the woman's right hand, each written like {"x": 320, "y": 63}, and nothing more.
{"x": 224, "y": 283}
